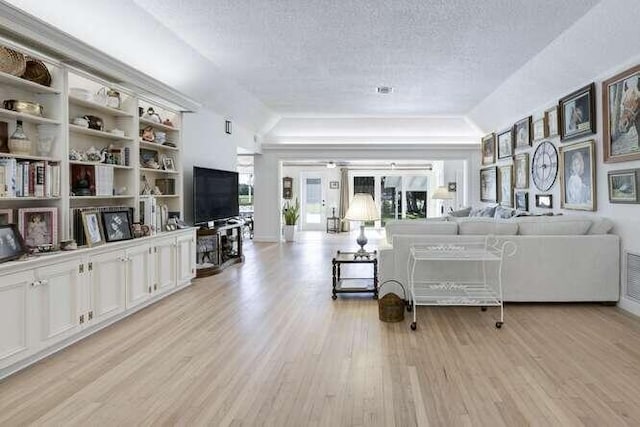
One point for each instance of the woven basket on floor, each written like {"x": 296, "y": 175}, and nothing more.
{"x": 391, "y": 306}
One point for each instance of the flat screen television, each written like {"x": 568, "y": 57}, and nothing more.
{"x": 215, "y": 195}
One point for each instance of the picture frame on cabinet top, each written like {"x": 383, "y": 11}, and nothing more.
{"x": 6, "y": 216}
{"x": 12, "y": 245}
{"x": 92, "y": 226}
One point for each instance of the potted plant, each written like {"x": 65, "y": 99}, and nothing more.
{"x": 290, "y": 213}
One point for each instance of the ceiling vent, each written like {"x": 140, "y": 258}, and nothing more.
{"x": 384, "y": 90}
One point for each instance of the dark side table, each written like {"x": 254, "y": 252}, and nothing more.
{"x": 350, "y": 285}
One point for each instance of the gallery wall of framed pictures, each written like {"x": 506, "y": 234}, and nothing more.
{"x": 556, "y": 153}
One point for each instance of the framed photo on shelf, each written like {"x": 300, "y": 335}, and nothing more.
{"x": 578, "y": 113}
{"x": 6, "y": 216}
{"x": 521, "y": 163}
{"x": 334, "y": 185}
{"x": 522, "y": 200}
{"x": 522, "y": 132}
{"x": 621, "y": 116}
{"x": 623, "y": 186}
{"x": 489, "y": 149}
{"x": 505, "y": 143}
{"x": 38, "y": 226}
{"x": 12, "y": 245}
{"x": 488, "y": 184}
{"x": 551, "y": 121}
{"x": 540, "y": 129}
{"x": 544, "y": 201}
{"x": 92, "y": 228}
{"x": 506, "y": 185}
{"x": 117, "y": 226}
{"x": 577, "y": 163}
{"x": 168, "y": 164}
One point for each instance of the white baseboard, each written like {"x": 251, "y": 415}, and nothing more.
{"x": 631, "y": 306}
{"x": 266, "y": 239}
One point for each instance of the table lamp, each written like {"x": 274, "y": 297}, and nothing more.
{"x": 362, "y": 208}
{"x": 443, "y": 193}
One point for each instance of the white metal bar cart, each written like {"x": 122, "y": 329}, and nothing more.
{"x": 465, "y": 272}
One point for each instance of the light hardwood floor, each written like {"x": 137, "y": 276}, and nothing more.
{"x": 264, "y": 344}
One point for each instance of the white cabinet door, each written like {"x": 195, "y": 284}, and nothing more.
{"x": 186, "y": 258}
{"x": 107, "y": 281}
{"x": 139, "y": 275}
{"x": 165, "y": 260}
{"x": 56, "y": 293}
{"x": 14, "y": 317}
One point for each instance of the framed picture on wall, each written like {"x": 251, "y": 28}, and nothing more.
{"x": 621, "y": 116}
{"x": 522, "y": 200}
{"x": 544, "y": 201}
{"x": 522, "y": 170}
{"x": 551, "y": 121}
{"x": 505, "y": 178}
{"x": 540, "y": 129}
{"x": 623, "y": 186}
{"x": 577, "y": 165}
{"x": 334, "y": 185}
{"x": 522, "y": 133}
{"x": 489, "y": 149}
{"x": 488, "y": 184}
{"x": 578, "y": 113}
{"x": 505, "y": 143}
{"x": 287, "y": 187}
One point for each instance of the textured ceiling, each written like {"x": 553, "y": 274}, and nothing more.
{"x": 309, "y": 57}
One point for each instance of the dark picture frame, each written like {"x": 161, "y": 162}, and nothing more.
{"x": 522, "y": 200}
{"x": 116, "y": 225}
{"x": 6, "y": 216}
{"x": 521, "y": 170}
{"x": 12, "y": 245}
{"x": 578, "y": 113}
{"x": 544, "y": 201}
{"x": 522, "y": 133}
{"x": 504, "y": 141}
{"x": 92, "y": 226}
{"x": 334, "y": 185}
{"x": 623, "y": 186}
{"x": 578, "y": 176}
{"x": 488, "y": 149}
{"x": 621, "y": 116}
{"x": 287, "y": 187}
{"x": 505, "y": 180}
{"x": 489, "y": 184}
{"x": 168, "y": 163}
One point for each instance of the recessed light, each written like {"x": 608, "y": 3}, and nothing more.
{"x": 384, "y": 90}
{"x": 331, "y": 165}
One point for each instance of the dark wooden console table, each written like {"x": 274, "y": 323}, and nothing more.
{"x": 217, "y": 248}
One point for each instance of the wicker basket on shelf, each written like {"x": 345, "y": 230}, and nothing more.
{"x": 36, "y": 71}
{"x": 12, "y": 62}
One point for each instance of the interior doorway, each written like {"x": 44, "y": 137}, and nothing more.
{"x": 312, "y": 210}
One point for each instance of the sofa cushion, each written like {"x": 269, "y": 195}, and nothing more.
{"x": 461, "y": 213}
{"x": 553, "y": 225}
{"x": 485, "y": 226}
{"x": 503, "y": 213}
{"x": 417, "y": 227}
{"x": 488, "y": 211}
{"x": 600, "y": 225}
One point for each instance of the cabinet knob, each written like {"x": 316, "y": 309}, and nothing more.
{"x": 44, "y": 282}
{"x": 36, "y": 283}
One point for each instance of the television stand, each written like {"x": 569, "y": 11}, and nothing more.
{"x": 217, "y": 248}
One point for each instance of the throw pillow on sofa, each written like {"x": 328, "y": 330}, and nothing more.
{"x": 487, "y": 212}
{"x": 503, "y": 213}
{"x": 460, "y": 213}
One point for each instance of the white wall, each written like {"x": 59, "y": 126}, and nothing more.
{"x": 207, "y": 145}
{"x": 601, "y": 44}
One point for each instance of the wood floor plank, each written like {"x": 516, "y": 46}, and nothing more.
{"x": 264, "y": 344}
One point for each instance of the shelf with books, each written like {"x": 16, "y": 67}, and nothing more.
{"x": 29, "y": 157}
{"x": 118, "y": 197}
{"x": 30, "y": 198}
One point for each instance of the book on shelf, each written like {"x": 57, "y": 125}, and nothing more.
{"x": 148, "y": 209}
{"x": 29, "y": 179}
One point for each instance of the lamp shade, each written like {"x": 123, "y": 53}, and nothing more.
{"x": 442, "y": 193}
{"x": 362, "y": 208}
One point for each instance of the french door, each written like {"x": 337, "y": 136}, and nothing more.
{"x": 313, "y": 215}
